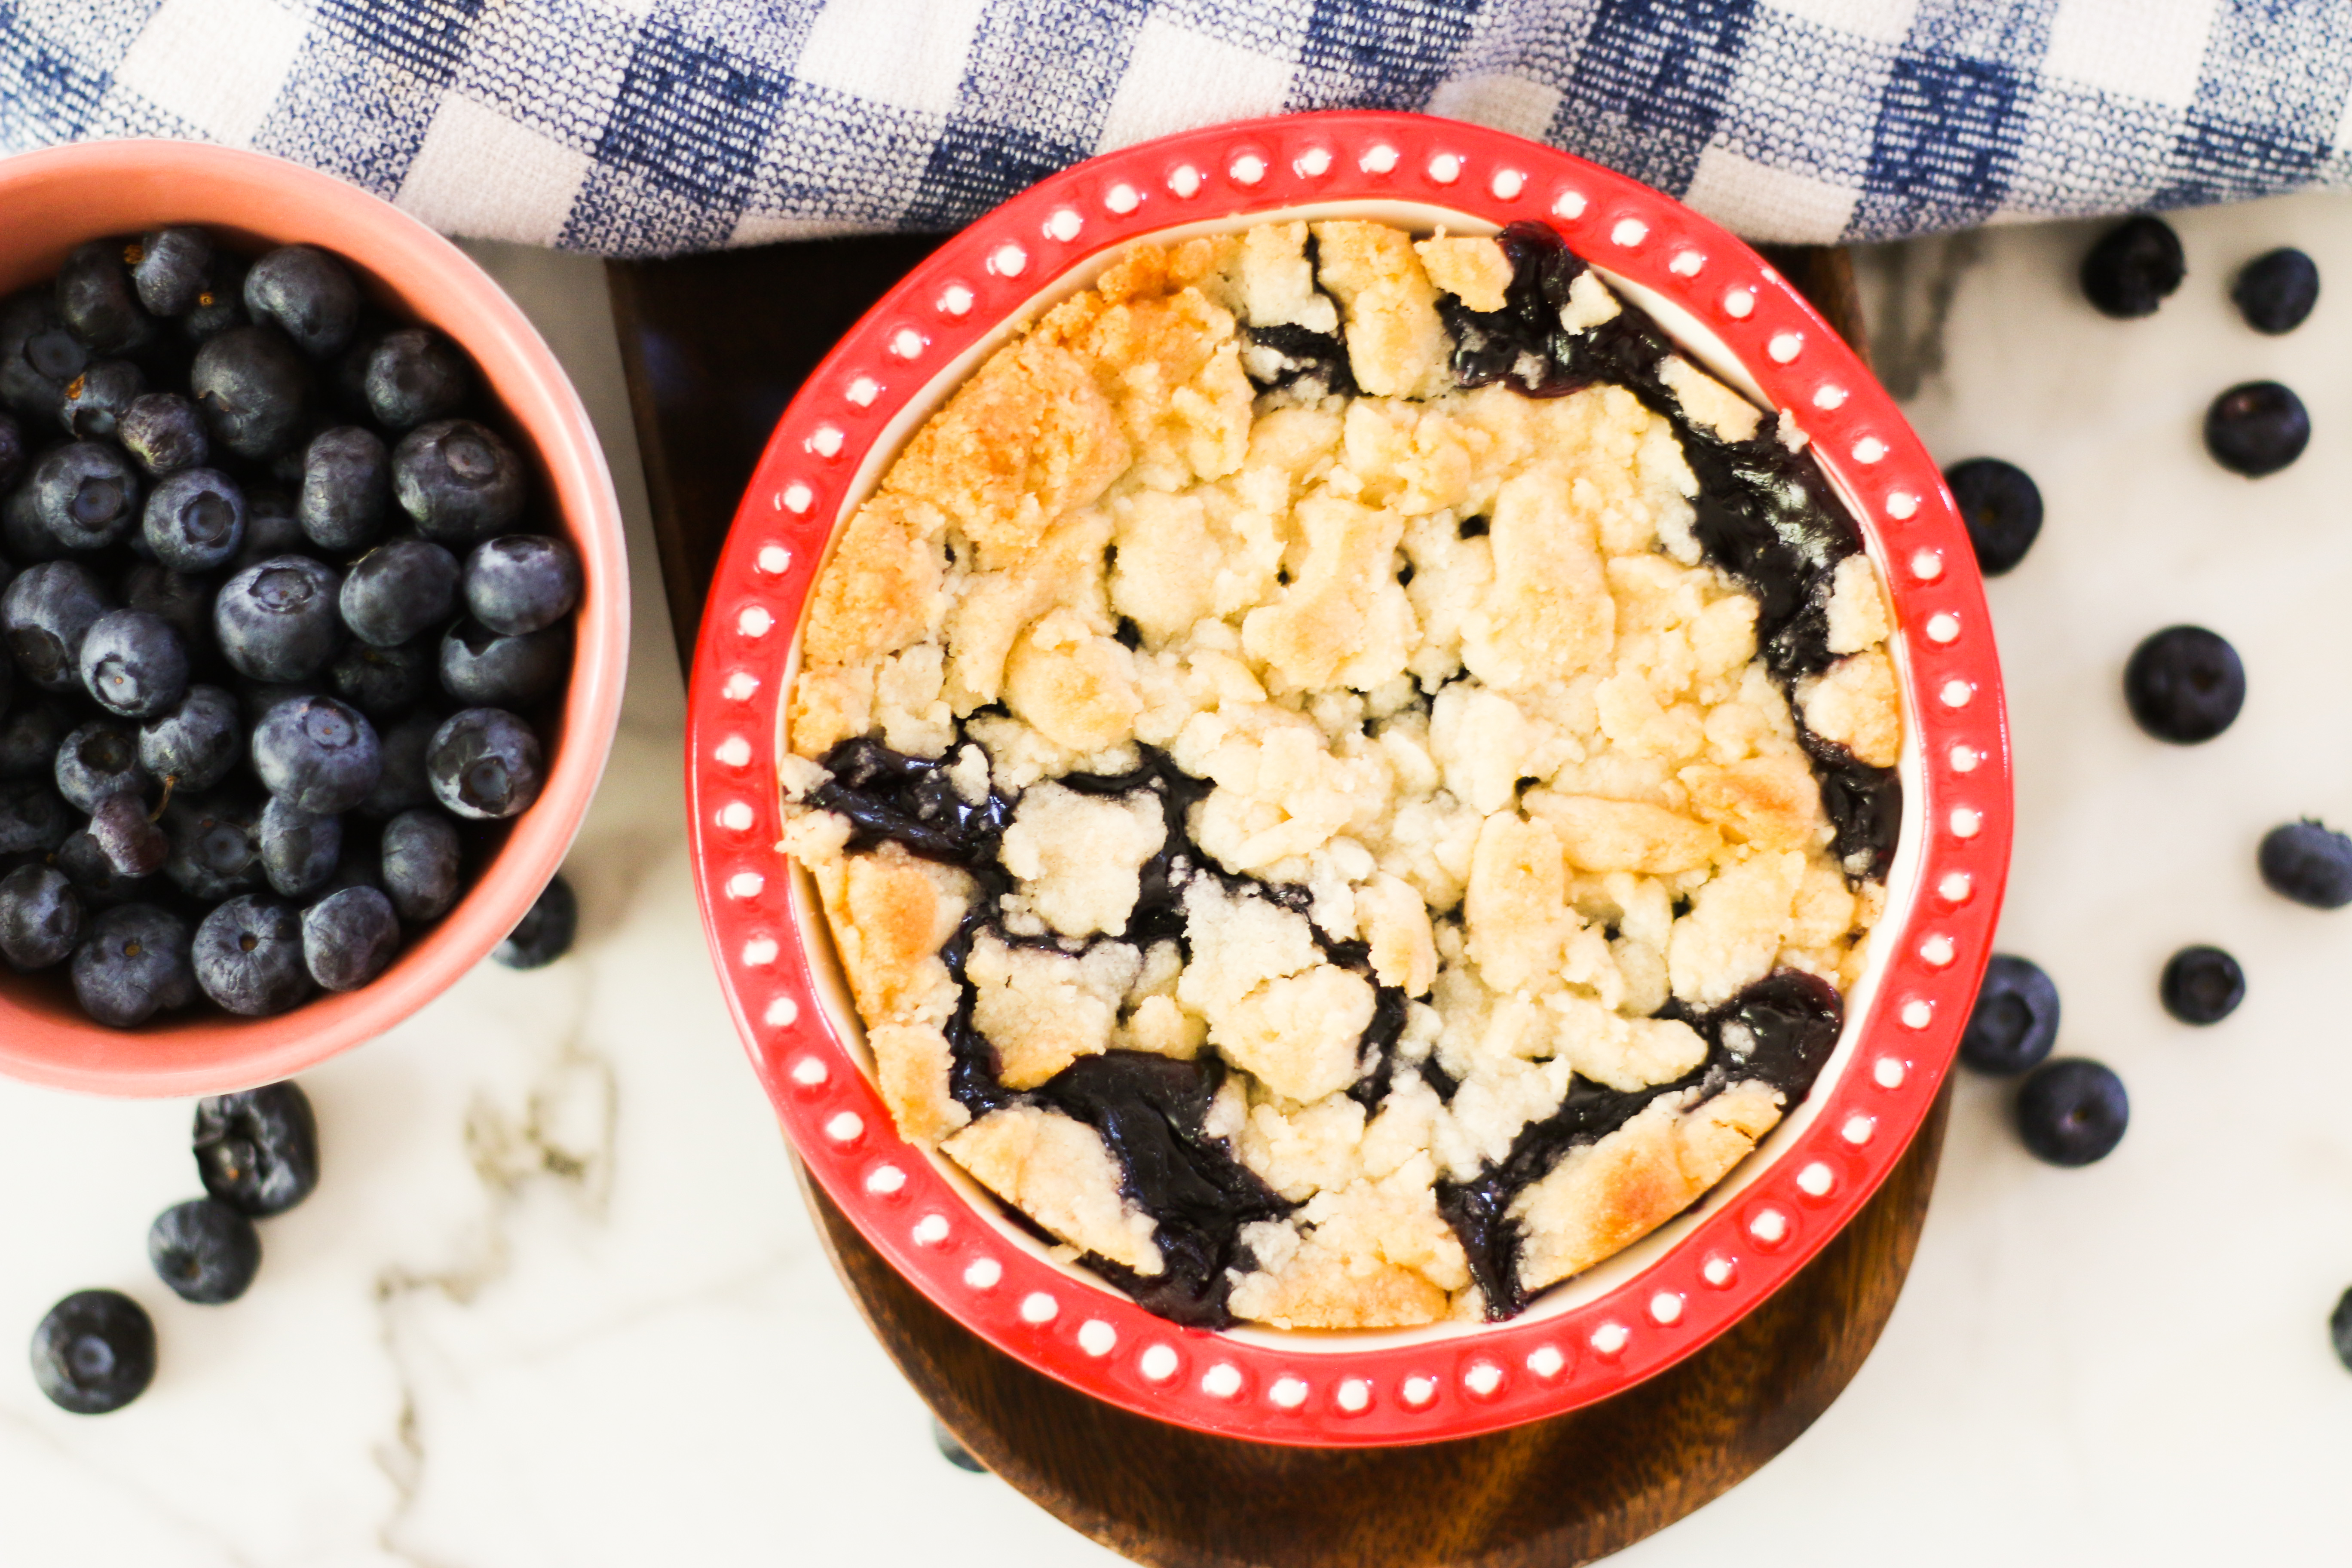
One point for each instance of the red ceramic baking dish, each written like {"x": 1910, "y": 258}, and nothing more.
{"x": 1657, "y": 1301}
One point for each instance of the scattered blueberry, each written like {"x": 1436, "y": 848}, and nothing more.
{"x": 171, "y": 269}
{"x": 205, "y": 1250}
{"x": 97, "y": 300}
{"x": 317, "y": 754}
{"x": 2339, "y": 1328}
{"x": 545, "y": 931}
{"x": 39, "y": 354}
{"x": 381, "y": 683}
{"x": 485, "y": 765}
{"x": 221, "y": 305}
{"x": 307, "y": 293}
{"x": 40, "y": 919}
{"x": 2015, "y": 1021}
{"x": 98, "y": 759}
{"x": 423, "y": 866}
{"x": 247, "y": 956}
{"x": 298, "y": 848}
{"x": 482, "y": 668}
{"x": 195, "y": 519}
{"x": 133, "y": 663}
{"x": 195, "y": 743}
{"x": 45, "y": 613}
{"x": 95, "y": 401}
{"x": 163, "y": 434}
{"x": 399, "y": 591}
{"x": 2305, "y": 862}
{"x": 216, "y": 846}
{"x": 258, "y": 1151}
{"x": 127, "y": 836}
{"x": 2002, "y": 506}
{"x": 2276, "y": 290}
{"x": 953, "y": 1452}
{"x": 404, "y": 783}
{"x": 2185, "y": 684}
{"x": 85, "y": 494}
{"x": 414, "y": 375}
{"x": 346, "y": 492}
{"x": 276, "y": 621}
{"x": 2257, "y": 428}
{"x": 2072, "y": 1111}
{"x": 522, "y": 582}
{"x": 255, "y": 391}
{"x": 350, "y": 937}
{"x": 97, "y": 883}
{"x": 2134, "y": 267}
{"x": 133, "y": 964}
{"x": 2203, "y": 985}
{"x": 459, "y": 480}
{"x": 94, "y": 1352}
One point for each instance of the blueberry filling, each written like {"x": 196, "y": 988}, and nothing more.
{"x": 1296, "y": 357}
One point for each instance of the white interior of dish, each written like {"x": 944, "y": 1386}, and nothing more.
{"x": 831, "y": 983}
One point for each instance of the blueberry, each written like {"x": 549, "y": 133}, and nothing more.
{"x": 128, "y": 837}
{"x": 39, "y": 354}
{"x": 522, "y": 582}
{"x": 2339, "y": 1328}
{"x": 97, "y": 882}
{"x": 298, "y": 848}
{"x": 29, "y": 737}
{"x": 2072, "y": 1111}
{"x": 172, "y": 269}
{"x": 195, "y": 519}
{"x": 258, "y": 1151}
{"x": 423, "y": 865}
{"x": 2015, "y": 1021}
{"x": 399, "y": 591}
{"x": 255, "y": 698}
{"x": 414, "y": 375}
{"x": 95, "y": 401}
{"x": 271, "y": 527}
{"x": 184, "y": 599}
{"x": 247, "y": 956}
{"x": 545, "y": 931}
{"x": 215, "y": 845}
{"x": 2276, "y": 290}
{"x": 131, "y": 965}
{"x": 40, "y": 919}
{"x": 2002, "y": 506}
{"x": 133, "y": 663}
{"x": 309, "y": 294}
{"x": 163, "y": 434}
{"x": 317, "y": 754}
{"x": 2305, "y": 862}
{"x": 952, "y": 1451}
{"x": 346, "y": 490}
{"x": 359, "y": 868}
{"x": 350, "y": 937}
{"x": 12, "y": 451}
{"x": 196, "y": 743}
{"x": 255, "y": 391}
{"x": 85, "y": 494}
{"x": 45, "y": 613}
{"x": 99, "y": 759}
{"x": 276, "y": 621}
{"x": 2203, "y": 985}
{"x": 2185, "y": 684}
{"x": 220, "y": 305}
{"x": 485, "y": 765}
{"x": 383, "y": 682}
{"x": 205, "y": 1250}
{"x": 459, "y": 479}
{"x": 2134, "y": 267}
{"x": 404, "y": 783}
{"x": 482, "y": 668}
{"x": 33, "y": 819}
{"x": 25, "y": 537}
{"x": 97, "y": 300}
{"x": 2257, "y": 428}
{"x": 95, "y": 1351}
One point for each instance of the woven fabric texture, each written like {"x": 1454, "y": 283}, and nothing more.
{"x": 645, "y": 127}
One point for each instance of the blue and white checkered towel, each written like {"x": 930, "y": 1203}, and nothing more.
{"x": 636, "y": 127}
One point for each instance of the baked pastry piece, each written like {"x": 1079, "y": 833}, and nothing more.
{"x": 1348, "y": 776}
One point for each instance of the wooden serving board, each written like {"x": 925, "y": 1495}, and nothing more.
{"x": 715, "y": 345}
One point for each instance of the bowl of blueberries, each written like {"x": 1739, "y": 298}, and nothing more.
{"x": 314, "y": 612}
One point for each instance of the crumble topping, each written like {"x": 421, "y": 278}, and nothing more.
{"x": 1348, "y": 776}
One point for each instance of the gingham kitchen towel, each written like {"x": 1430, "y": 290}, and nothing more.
{"x": 638, "y": 127}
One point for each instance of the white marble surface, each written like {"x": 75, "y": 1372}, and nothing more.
{"x": 556, "y": 1302}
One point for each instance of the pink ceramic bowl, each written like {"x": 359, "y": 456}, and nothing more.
{"x": 51, "y": 201}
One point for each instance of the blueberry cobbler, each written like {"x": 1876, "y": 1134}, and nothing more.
{"x": 1347, "y": 776}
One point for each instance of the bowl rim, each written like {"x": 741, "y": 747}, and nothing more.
{"x": 1265, "y": 1386}
{"x": 189, "y": 181}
